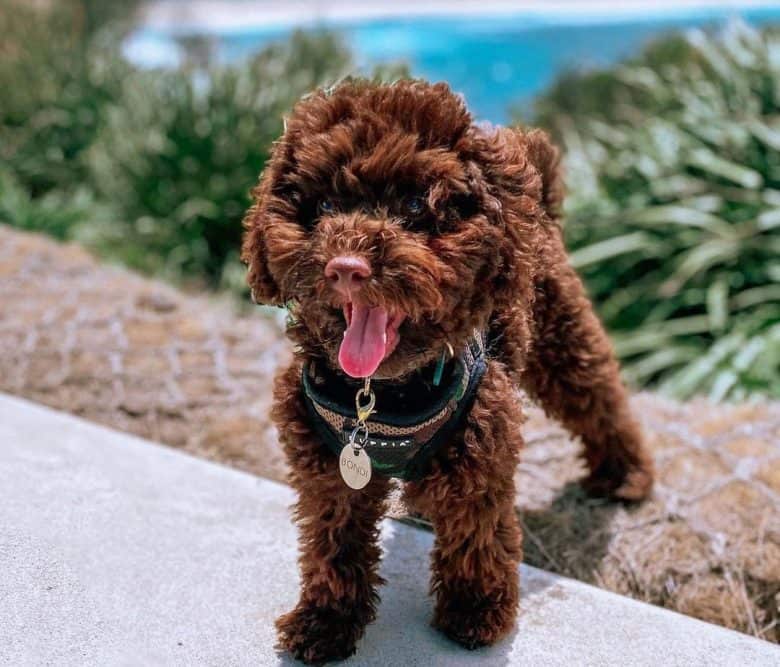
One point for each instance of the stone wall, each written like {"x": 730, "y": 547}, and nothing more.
{"x": 189, "y": 371}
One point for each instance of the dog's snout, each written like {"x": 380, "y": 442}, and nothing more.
{"x": 346, "y": 274}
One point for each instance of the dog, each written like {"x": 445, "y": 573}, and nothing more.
{"x": 422, "y": 251}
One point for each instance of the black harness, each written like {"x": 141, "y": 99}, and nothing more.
{"x": 412, "y": 420}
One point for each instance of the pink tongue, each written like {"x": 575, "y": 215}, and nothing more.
{"x": 365, "y": 341}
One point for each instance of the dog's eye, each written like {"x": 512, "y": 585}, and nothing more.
{"x": 414, "y": 206}
{"x": 326, "y": 206}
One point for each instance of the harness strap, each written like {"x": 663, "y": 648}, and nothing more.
{"x": 401, "y": 443}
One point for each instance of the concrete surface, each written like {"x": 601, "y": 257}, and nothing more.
{"x": 116, "y": 551}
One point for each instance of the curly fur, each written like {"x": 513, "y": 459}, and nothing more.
{"x": 486, "y": 254}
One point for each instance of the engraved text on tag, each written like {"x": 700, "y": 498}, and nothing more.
{"x": 355, "y": 467}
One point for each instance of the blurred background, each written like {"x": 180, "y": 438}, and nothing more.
{"x": 138, "y": 128}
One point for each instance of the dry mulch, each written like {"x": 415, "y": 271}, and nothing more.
{"x": 189, "y": 371}
{"x": 706, "y": 544}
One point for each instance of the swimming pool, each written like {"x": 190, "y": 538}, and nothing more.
{"x": 495, "y": 61}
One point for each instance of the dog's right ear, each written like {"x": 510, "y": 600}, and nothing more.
{"x": 254, "y": 252}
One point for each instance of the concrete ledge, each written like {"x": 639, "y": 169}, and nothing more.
{"x": 115, "y": 551}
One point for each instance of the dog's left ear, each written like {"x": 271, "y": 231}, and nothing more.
{"x": 522, "y": 183}
{"x": 521, "y": 166}
{"x": 254, "y": 253}
{"x": 546, "y": 158}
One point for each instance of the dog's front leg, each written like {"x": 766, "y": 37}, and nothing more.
{"x": 469, "y": 499}
{"x": 339, "y": 540}
{"x": 339, "y": 555}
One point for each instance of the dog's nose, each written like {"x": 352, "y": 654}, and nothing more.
{"x": 347, "y": 274}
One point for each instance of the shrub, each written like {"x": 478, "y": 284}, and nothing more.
{"x": 56, "y": 77}
{"x": 578, "y": 95}
{"x": 673, "y": 213}
{"x": 167, "y": 156}
{"x": 56, "y": 213}
{"x": 181, "y": 149}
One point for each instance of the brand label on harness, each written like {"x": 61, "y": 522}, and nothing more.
{"x": 374, "y": 443}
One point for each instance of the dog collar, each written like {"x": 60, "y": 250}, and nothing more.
{"x": 416, "y": 417}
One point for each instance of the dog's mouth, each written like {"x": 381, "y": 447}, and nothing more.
{"x": 370, "y": 337}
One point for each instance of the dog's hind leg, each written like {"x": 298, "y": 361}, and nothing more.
{"x": 572, "y": 372}
{"x": 469, "y": 498}
{"x": 339, "y": 550}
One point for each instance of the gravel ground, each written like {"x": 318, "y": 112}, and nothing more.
{"x": 190, "y": 372}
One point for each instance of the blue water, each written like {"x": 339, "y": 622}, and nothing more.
{"x": 496, "y": 62}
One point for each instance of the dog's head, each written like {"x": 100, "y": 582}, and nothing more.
{"x": 392, "y": 226}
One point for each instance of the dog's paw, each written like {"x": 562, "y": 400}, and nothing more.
{"x": 317, "y": 635}
{"x": 474, "y": 622}
{"x": 630, "y": 483}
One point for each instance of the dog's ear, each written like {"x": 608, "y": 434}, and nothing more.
{"x": 522, "y": 184}
{"x": 523, "y": 166}
{"x": 545, "y": 157}
{"x": 254, "y": 252}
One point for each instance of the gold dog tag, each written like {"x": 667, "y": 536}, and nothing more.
{"x": 355, "y": 467}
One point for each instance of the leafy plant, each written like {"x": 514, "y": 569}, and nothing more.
{"x": 56, "y": 78}
{"x": 56, "y": 213}
{"x": 579, "y": 94}
{"x": 172, "y": 154}
{"x": 673, "y": 213}
{"x": 181, "y": 149}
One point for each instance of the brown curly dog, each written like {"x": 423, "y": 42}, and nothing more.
{"x": 415, "y": 247}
